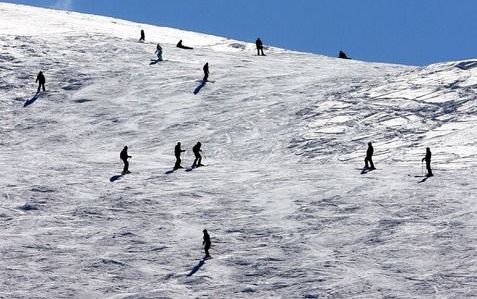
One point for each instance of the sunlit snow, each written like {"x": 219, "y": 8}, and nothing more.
{"x": 282, "y": 195}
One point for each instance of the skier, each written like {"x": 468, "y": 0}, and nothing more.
{"x": 124, "y": 156}
{"x": 143, "y": 36}
{"x": 369, "y": 157}
{"x": 427, "y": 158}
{"x": 259, "y": 45}
{"x": 207, "y": 243}
{"x": 180, "y": 45}
{"x": 198, "y": 158}
{"x": 177, "y": 152}
{"x": 41, "y": 81}
{"x": 343, "y": 55}
{"x": 159, "y": 52}
{"x": 206, "y": 72}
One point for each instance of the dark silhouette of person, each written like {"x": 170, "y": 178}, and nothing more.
{"x": 177, "y": 152}
{"x": 159, "y": 52}
{"x": 427, "y": 158}
{"x": 343, "y": 55}
{"x": 206, "y": 71}
{"x": 124, "y": 156}
{"x": 259, "y": 45}
{"x": 206, "y": 243}
{"x": 143, "y": 36}
{"x": 40, "y": 78}
{"x": 180, "y": 45}
{"x": 369, "y": 157}
{"x": 198, "y": 158}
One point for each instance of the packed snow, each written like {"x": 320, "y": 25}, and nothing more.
{"x": 282, "y": 195}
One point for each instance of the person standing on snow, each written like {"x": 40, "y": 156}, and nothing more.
{"x": 427, "y": 158}
{"x": 369, "y": 157}
{"x": 177, "y": 152}
{"x": 259, "y": 45}
{"x": 198, "y": 158}
{"x": 159, "y": 52}
{"x": 206, "y": 71}
{"x": 40, "y": 78}
{"x": 143, "y": 36}
{"x": 124, "y": 157}
{"x": 206, "y": 243}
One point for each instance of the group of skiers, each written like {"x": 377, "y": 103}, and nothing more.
{"x": 369, "y": 165}
{"x": 195, "y": 149}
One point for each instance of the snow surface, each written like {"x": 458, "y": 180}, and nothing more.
{"x": 284, "y": 138}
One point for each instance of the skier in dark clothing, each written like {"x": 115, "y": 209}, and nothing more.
{"x": 343, "y": 55}
{"x": 177, "y": 152}
{"x": 143, "y": 36}
{"x": 259, "y": 45}
{"x": 180, "y": 45}
{"x": 427, "y": 158}
{"x": 369, "y": 157}
{"x": 41, "y": 81}
{"x": 198, "y": 158}
{"x": 206, "y": 72}
{"x": 124, "y": 156}
{"x": 206, "y": 243}
{"x": 159, "y": 52}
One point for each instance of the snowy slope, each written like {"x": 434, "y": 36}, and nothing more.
{"x": 284, "y": 138}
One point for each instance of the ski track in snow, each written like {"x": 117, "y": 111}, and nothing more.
{"x": 284, "y": 137}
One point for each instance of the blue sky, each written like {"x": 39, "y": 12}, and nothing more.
{"x": 416, "y": 32}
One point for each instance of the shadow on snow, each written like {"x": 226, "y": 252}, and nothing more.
{"x": 202, "y": 84}
{"x": 32, "y": 100}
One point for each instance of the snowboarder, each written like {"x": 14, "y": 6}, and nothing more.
{"x": 206, "y": 72}
{"x": 143, "y": 36}
{"x": 198, "y": 158}
{"x": 177, "y": 152}
{"x": 124, "y": 156}
{"x": 159, "y": 52}
{"x": 259, "y": 45}
{"x": 206, "y": 243}
{"x": 427, "y": 158}
{"x": 369, "y": 157}
{"x": 180, "y": 45}
{"x": 41, "y": 81}
{"x": 343, "y": 55}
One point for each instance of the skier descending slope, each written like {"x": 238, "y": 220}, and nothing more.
{"x": 427, "y": 158}
{"x": 198, "y": 158}
{"x": 259, "y": 45}
{"x": 159, "y": 52}
{"x": 206, "y": 71}
{"x": 206, "y": 243}
{"x": 369, "y": 157}
{"x": 124, "y": 157}
{"x": 40, "y": 78}
{"x": 177, "y": 152}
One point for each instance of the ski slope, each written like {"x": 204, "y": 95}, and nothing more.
{"x": 284, "y": 139}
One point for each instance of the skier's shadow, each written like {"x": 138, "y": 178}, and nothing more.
{"x": 423, "y": 180}
{"x": 32, "y": 100}
{"x": 197, "y": 267}
{"x": 115, "y": 177}
{"x": 154, "y": 61}
{"x": 198, "y": 88}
